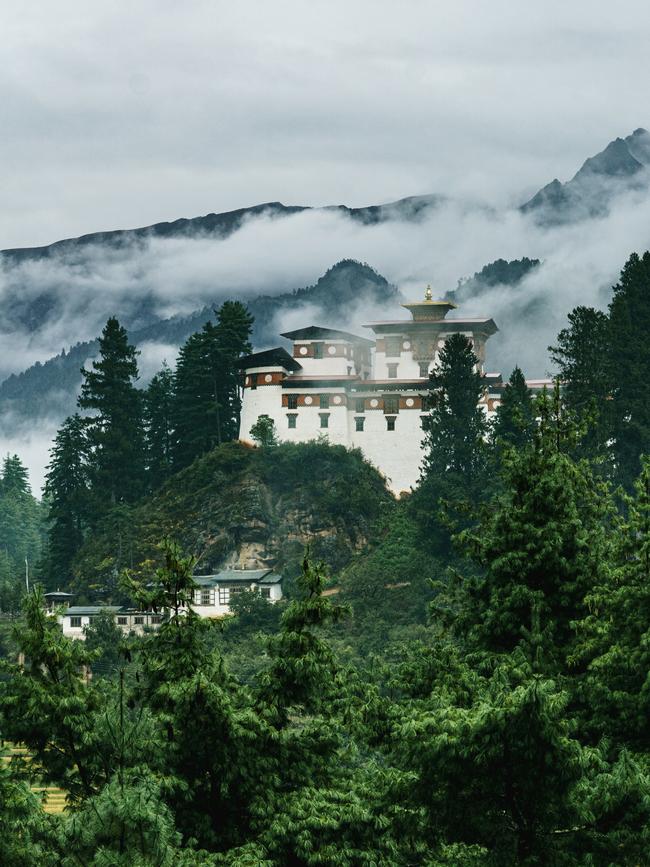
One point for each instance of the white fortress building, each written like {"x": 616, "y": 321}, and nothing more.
{"x": 360, "y": 392}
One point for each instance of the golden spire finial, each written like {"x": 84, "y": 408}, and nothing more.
{"x": 428, "y": 295}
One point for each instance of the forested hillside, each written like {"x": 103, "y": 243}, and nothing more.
{"x": 458, "y": 678}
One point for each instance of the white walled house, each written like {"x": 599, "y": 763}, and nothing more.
{"x": 214, "y": 592}
{"x": 76, "y": 619}
{"x": 211, "y": 599}
{"x": 361, "y": 393}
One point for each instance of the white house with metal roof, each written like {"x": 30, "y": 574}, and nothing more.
{"x": 214, "y": 592}
{"x": 358, "y": 392}
{"x": 212, "y": 597}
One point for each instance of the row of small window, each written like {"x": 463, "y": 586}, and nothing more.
{"x": 75, "y": 622}
{"x": 325, "y": 417}
{"x": 206, "y": 597}
{"x": 391, "y": 404}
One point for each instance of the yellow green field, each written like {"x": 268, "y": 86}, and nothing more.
{"x": 52, "y": 797}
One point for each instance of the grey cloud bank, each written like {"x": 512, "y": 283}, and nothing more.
{"x": 124, "y": 114}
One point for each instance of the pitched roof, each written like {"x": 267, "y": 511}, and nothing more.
{"x": 277, "y": 357}
{"x": 77, "y": 610}
{"x": 247, "y": 576}
{"x": 315, "y": 332}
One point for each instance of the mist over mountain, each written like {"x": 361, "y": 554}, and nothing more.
{"x": 526, "y": 266}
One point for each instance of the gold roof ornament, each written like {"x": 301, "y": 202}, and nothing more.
{"x": 429, "y": 310}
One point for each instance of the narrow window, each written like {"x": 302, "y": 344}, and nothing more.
{"x": 390, "y": 422}
{"x": 324, "y": 419}
{"x": 75, "y": 622}
{"x": 324, "y": 401}
{"x": 392, "y": 371}
{"x": 292, "y": 401}
{"x": 291, "y": 420}
{"x": 318, "y": 350}
{"x": 253, "y": 380}
{"x": 424, "y": 369}
{"x": 224, "y": 595}
{"x": 359, "y": 420}
{"x": 205, "y": 597}
{"x": 360, "y": 405}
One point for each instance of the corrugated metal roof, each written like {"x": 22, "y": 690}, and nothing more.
{"x": 245, "y": 576}
{"x": 77, "y": 610}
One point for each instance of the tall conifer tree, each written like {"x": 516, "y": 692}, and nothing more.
{"x": 582, "y": 356}
{"x": 629, "y": 359}
{"x": 115, "y": 424}
{"x": 67, "y": 492}
{"x": 515, "y": 418}
{"x": 158, "y": 428}
{"x": 207, "y": 400}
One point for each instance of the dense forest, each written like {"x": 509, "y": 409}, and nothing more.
{"x": 459, "y": 677}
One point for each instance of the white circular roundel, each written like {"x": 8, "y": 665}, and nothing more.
{"x": 409, "y": 401}
{"x": 374, "y": 402}
{"x": 332, "y": 350}
{"x": 337, "y": 399}
{"x": 406, "y": 344}
{"x": 268, "y": 378}
{"x": 303, "y": 350}
{"x": 309, "y": 400}
{"x": 248, "y": 380}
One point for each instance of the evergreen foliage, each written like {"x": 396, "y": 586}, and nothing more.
{"x": 514, "y": 421}
{"x": 68, "y": 496}
{"x": 629, "y": 360}
{"x": 158, "y": 427}
{"x": 115, "y": 424}
{"x": 207, "y": 402}
{"x": 21, "y": 532}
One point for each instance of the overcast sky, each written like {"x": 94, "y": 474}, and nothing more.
{"x": 119, "y": 114}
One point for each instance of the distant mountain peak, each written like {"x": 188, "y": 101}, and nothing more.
{"x": 615, "y": 161}
{"x": 618, "y": 167}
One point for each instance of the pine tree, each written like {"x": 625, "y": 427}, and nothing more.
{"x": 615, "y": 633}
{"x": 515, "y": 418}
{"x": 67, "y": 493}
{"x": 115, "y": 424}
{"x": 584, "y": 364}
{"x": 629, "y": 363}
{"x": 539, "y": 549}
{"x": 455, "y": 461}
{"x": 207, "y": 400}
{"x": 158, "y": 428}
{"x": 14, "y": 478}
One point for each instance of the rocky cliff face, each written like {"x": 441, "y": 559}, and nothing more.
{"x": 246, "y": 507}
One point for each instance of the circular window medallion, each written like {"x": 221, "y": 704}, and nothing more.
{"x": 374, "y": 402}
{"x": 409, "y": 401}
{"x": 332, "y": 350}
{"x": 337, "y": 399}
{"x": 309, "y": 400}
{"x": 303, "y": 350}
{"x": 406, "y": 344}
{"x": 248, "y": 380}
{"x": 268, "y": 378}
